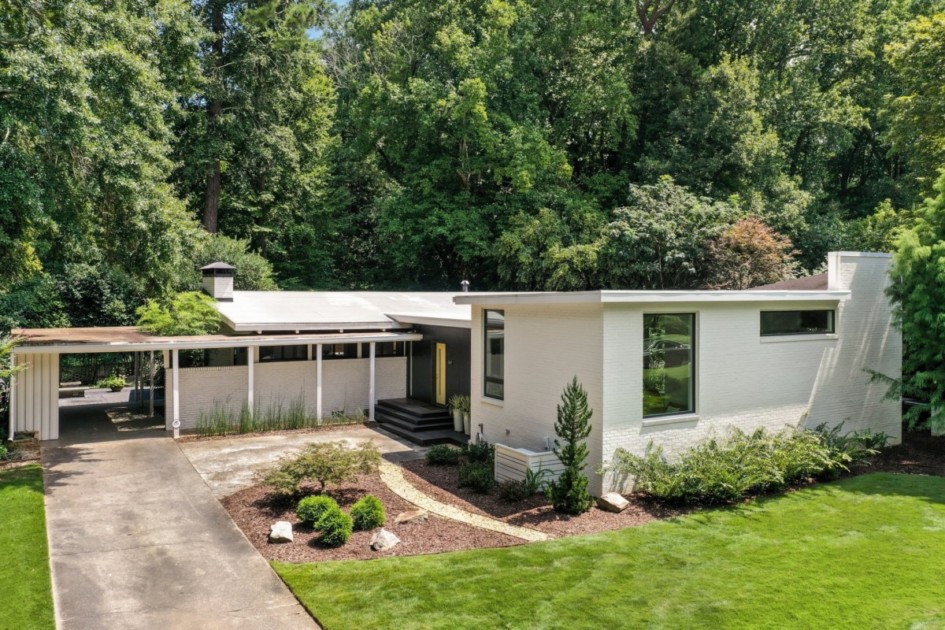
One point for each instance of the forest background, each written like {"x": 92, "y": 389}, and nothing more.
{"x": 411, "y": 144}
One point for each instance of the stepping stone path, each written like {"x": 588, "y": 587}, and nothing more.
{"x": 393, "y": 476}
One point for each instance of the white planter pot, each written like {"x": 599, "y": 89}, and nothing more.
{"x": 466, "y": 421}
{"x": 457, "y": 420}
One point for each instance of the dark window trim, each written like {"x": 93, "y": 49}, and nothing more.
{"x": 831, "y": 319}
{"x": 486, "y": 379}
{"x": 350, "y": 352}
{"x": 692, "y": 378}
{"x": 280, "y": 351}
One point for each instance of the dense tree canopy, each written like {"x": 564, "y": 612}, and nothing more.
{"x": 520, "y": 144}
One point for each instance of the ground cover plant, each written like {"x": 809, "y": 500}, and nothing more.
{"x": 729, "y": 468}
{"x": 24, "y": 569}
{"x": 861, "y": 552}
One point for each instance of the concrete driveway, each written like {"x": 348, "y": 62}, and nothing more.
{"x": 138, "y": 540}
{"x": 230, "y": 464}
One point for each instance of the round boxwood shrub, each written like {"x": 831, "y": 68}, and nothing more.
{"x": 311, "y": 509}
{"x": 443, "y": 455}
{"x": 335, "y": 526}
{"x": 368, "y": 513}
{"x": 477, "y": 476}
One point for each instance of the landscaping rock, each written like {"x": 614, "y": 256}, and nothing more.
{"x": 612, "y": 502}
{"x": 411, "y": 516}
{"x": 280, "y": 532}
{"x": 384, "y": 540}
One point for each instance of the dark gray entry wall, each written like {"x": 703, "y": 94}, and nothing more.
{"x": 421, "y": 375}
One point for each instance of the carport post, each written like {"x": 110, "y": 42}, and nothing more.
{"x": 250, "y": 361}
{"x": 373, "y": 379}
{"x": 318, "y": 381}
{"x": 151, "y": 384}
{"x": 175, "y": 365}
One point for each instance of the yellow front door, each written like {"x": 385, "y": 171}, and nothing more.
{"x": 441, "y": 373}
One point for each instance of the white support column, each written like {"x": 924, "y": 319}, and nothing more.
{"x": 151, "y": 384}
{"x": 373, "y": 394}
{"x": 318, "y": 381}
{"x": 13, "y": 414}
{"x": 251, "y": 371}
{"x": 175, "y": 365}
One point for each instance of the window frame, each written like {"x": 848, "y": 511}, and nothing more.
{"x": 279, "y": 354}
{"x": 693, "y": 367}
{"x": 486, "y": 379}
{"x": 350, "y": 351}
{"x": 831, "y": 321}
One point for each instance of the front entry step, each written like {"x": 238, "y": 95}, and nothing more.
{"x": 419, "y": 422}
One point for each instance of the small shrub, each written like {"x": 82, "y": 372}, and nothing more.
{"x": 476, "y": 476}
{"x": 568, "y": 493}
{"x": 443, "y": 455}
{"x": 311, "y": 509}
{"x": 368, "y": 513}
{"x": 481, "y": 453}
{"x": 512, "y": 491}
{"x": 115, "y": 382}
{"x": 330, "y": 462}
{"x": 335, "y": 526}
{"x": 4, "y": 453}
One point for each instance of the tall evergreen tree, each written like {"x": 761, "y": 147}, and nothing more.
{"x": 568, "y": 493}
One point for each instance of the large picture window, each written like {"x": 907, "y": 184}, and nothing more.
{"x": 796, "y": 322}
{"x": 669, "y": 343}
{"x": 494, "y": 354}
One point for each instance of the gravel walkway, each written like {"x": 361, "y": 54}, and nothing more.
{"x": 394, "y": 478}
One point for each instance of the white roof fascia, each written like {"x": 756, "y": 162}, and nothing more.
{"x": 432, "y": 320}
{"x": 309, "y": 327}
{"x": 181, "y": 343}
{"x": 650, "y": 297}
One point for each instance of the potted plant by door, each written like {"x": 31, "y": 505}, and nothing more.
{"x": 456, "y": 406}
{"x": 467, "y": 419}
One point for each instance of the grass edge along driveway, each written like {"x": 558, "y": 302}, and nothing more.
{"x": 863, "y": 552}
{"x": 26, "y": 591}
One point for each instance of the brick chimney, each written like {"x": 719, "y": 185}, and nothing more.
{"x": 218, "y": 281}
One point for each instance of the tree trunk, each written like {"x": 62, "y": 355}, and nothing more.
{"x": 211, "y": 208}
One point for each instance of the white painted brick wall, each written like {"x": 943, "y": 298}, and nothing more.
{"x": 346, "y": 386}
{"x": 741, "y": 379}
{"x": 544, "y": 348}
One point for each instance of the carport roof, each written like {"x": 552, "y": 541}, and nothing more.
{"x": 132, "y": 339}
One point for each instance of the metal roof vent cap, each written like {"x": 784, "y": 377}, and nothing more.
{"x": 218, "y": 281}
{"x": 465, "y": 285}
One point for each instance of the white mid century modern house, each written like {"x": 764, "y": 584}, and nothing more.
{"x": 664, "y": 366}
{"x": 672, "y": 367}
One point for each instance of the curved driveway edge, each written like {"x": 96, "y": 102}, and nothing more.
{"x": 137, "y": 540}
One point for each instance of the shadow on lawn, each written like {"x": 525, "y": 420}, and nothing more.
{"x": 22, "y": 477}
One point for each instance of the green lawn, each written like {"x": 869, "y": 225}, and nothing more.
{"x": 866, "y": 552}
{"x": 26, "y": 591}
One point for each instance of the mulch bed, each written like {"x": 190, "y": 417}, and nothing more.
{"x": 25, "y": 450}
{"x": 920, "y": 453}
{"x": 255, "y": 509}
{"x": 442, "y": 483}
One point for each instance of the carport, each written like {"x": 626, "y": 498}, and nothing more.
{"x": 34, "y": 402}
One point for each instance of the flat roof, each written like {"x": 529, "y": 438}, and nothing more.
{"x": 262, "y": 311}
{"x": 807, "y": 283}
{"x": 651, "y": 297}
{"x": 132, "y": 339}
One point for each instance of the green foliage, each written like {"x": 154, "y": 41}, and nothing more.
{"x": 4, "y": 453}
{"x": 189, "y": 313}
{"x": 335, "y": 526}
{"x": 568, "y": 493}
{"x": 512, "y": 491}
{"x": 917, "y": 291}
{"x": 325, "y": 463}
{"x": 311, "y": 509}
{"x": 253, "y": 272}
{"x": 477, "y": 476}
{"x": 115, "y": 382}
{"x": 368, "y": 513}
{"x": 879, "y": 232}
{"x": 443, "y": 455}
{"x": 724, "y": 470}
{"x": 481, "y": 453}
{"x": 276, "y": 416}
